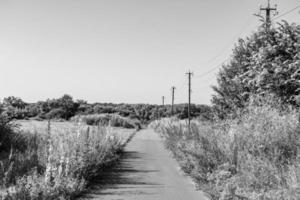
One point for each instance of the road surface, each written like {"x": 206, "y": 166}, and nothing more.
{"x": 146, "y": 171}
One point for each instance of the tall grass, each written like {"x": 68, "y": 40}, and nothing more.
{"x": 253, "y": 157}
{"x": 56, "y": 164}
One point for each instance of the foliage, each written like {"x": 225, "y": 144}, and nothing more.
{"x": 268, "y": 62}
{"x": 253, "y": 157}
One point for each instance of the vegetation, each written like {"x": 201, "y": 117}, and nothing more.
{"x": 56, "y": 163}
{"x": 255, "y": 156}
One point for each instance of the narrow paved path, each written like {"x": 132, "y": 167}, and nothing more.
{"x": 146, "y": 171}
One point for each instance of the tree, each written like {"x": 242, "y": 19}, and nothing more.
{"x": 266, "y": 63}
{"x": 66, "y": 104}
{"x": 15, "y": 102}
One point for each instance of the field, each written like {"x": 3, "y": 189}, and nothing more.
{"x": 56, "y": 160}
{"x": 66, "y": 126}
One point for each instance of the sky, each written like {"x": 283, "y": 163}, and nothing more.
{"x": 120, "y": 51}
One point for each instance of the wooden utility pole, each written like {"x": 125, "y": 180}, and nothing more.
{"x": 172, "y": 108}
{"x": 190, "y": 90}
{"x": 268, "y": 10}
{"x": 163, "y": 100}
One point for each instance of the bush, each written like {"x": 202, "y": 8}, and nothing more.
{"x": 117, "y": 121}
{"x": 57, "y": 113}
{"x": 7, "y": 134}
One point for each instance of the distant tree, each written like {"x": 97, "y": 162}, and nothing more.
{"x": 103, "y": 108}
{"x": 63, "y": 107}
{"x": 67, "y": 104}
{"x": 32, "y": 110}
{"x": 15, "y": 102}
{"x": 83, "y": 107}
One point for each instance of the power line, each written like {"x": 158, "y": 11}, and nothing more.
{"x": 287, "y": 12}
{"x": 224, "y": 49}
{"x": 240, "y": 32}
{"x": 211, "y": 70}
{"x": 181, "y": 86}
{"x": 216, "y": 67}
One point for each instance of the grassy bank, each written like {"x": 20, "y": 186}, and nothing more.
{"x": 255, "y": 156}
{"x": 56, "y": 161}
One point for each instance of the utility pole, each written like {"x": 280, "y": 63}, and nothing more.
{"x": 172, "y": 108}
{"x": 189, "y": 105}
{"x": 163, "y": 100}
{"x": 268, "y": 10}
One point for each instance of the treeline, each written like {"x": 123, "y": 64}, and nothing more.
{"x": 66, "y": 107}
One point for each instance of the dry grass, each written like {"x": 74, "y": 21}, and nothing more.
{"x": 253, "y": 157}
{"x": 59, "y": 159}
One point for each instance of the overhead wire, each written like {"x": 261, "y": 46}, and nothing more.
{"x": 287, "y": 12}
{"x": 238, "y": 35}
{"x": 181, "y": 86}
{"x": 241, "y": 31}
{"x": 217, "y": 66}
{"x": 212, "y": 69}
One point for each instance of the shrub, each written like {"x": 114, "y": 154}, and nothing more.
{"x": 117, "y": 121}
{"x": 57, "y": 113}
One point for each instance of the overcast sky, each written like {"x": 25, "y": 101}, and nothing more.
{"x": 129, "y": 51}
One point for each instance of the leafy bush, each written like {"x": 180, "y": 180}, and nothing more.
{"x": 253, "y": 157}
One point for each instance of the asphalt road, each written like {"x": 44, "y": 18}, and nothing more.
{"x": 146, "y": 171}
